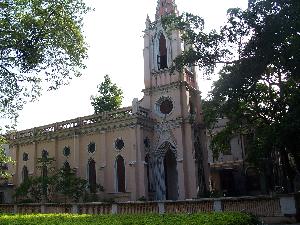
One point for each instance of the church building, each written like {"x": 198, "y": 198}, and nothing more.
{"x": 152, "y": 149}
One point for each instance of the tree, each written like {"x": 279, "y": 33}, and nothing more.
{"x": 41, "y": 44}
{"x": 32, "y": 189}
{"x": 259, "y": 85}
{"x": 69, "y": 185}
{"x": 47, "y": 185}
{"x": 110, "y": 97}
{"x": 39, "y": 188}
{"x": 47, "y": 179}
{"x": 4, "y": 160}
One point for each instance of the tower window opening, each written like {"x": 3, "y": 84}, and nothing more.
{"x": 162, "y": 57}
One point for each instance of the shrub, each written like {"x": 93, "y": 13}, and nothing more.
{"x": 150, "y": 219}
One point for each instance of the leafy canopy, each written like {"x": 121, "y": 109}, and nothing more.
{"x": 4, "y": 161}
{"x": 258, "y": 89}
{"x": 41, "y": 187}
{"x": 41, "y": 45}
{"x": 40, "y": 41}
{"x": 109, "y": 98}
{"x": 69, "y": 185}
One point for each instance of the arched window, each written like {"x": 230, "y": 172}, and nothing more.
{"x": 67, "y": 166}
{"x": 120, "y": 174}
{"x": 44, "y": 171}
{"x": 24, "y": 173}
{"x": 162, "y": 57}
{"x": 92, "y": 175}
{"x": 44, "y": 159}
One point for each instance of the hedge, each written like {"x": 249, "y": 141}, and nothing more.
{"x": 166, "y": 219}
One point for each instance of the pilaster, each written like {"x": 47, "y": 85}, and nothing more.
{"x": 189, "y": 162}
{"x": 103, "y": 161}
{"x": 140, "y": 167}
{"x": 180, "y": 165}
{"x": 76, "y": 156}
{"x": 146, "y": 53}
{"x": 35, "y": 158}
{"x": 131, "y": 167}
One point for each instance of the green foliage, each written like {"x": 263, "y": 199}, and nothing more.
{"x": 221, "y": 142}
{"x": 69, "y": 185}
{"x": 206, "y": 48}
{"x": 40, "y": 187}
{"x": 168, "y": 219}
{"x": 23, "y": 189}
{"x": 34, "y": 189}
{"x": 110, "y": 97}
{"x": 4, "y": 160}
{"x": 63, "y": 181}
{"x": 44, "y": 183}
{"x": 41, "y": 41}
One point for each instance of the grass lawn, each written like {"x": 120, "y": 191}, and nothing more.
{"x": 166, "y": 219}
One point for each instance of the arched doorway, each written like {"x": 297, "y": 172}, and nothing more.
{"x": 92, "y": 176}
{"x": 120, "y": 174}
{"x": 171, "y": 176}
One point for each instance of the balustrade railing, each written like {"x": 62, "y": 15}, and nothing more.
{"x": 259, "y": 206}
{"x": 188, "y": 207}
{"x": 137, "y": 208}
{"x": 104, "y": 117}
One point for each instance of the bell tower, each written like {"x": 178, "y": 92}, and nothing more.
{"x": 174, "y": 103}
{"x": 160, "y": 50}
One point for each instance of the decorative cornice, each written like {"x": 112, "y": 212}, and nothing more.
{"x": 123, "y": 118}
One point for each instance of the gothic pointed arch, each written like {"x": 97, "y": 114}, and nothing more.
{"x": 92, "y": 175}
{"x": 161, "y": 49}
{"x": 165, "y": 141}
{"x": 120, "y": 174}
{"x": 24, "y": 173}
{"x": 162, "y": 58}
{"x": 165, "y": 172}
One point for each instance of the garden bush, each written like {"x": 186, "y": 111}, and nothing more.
{"x": 166, "y": 219}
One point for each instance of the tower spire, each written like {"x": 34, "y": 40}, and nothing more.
{"x": 165, "y": 7}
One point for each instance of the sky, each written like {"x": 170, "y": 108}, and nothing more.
{"x": 114, "y": 33}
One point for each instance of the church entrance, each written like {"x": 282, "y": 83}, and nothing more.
{"x": 171, "y": 179}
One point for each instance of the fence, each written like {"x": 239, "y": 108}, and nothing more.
{"x": 259, "y": 206}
